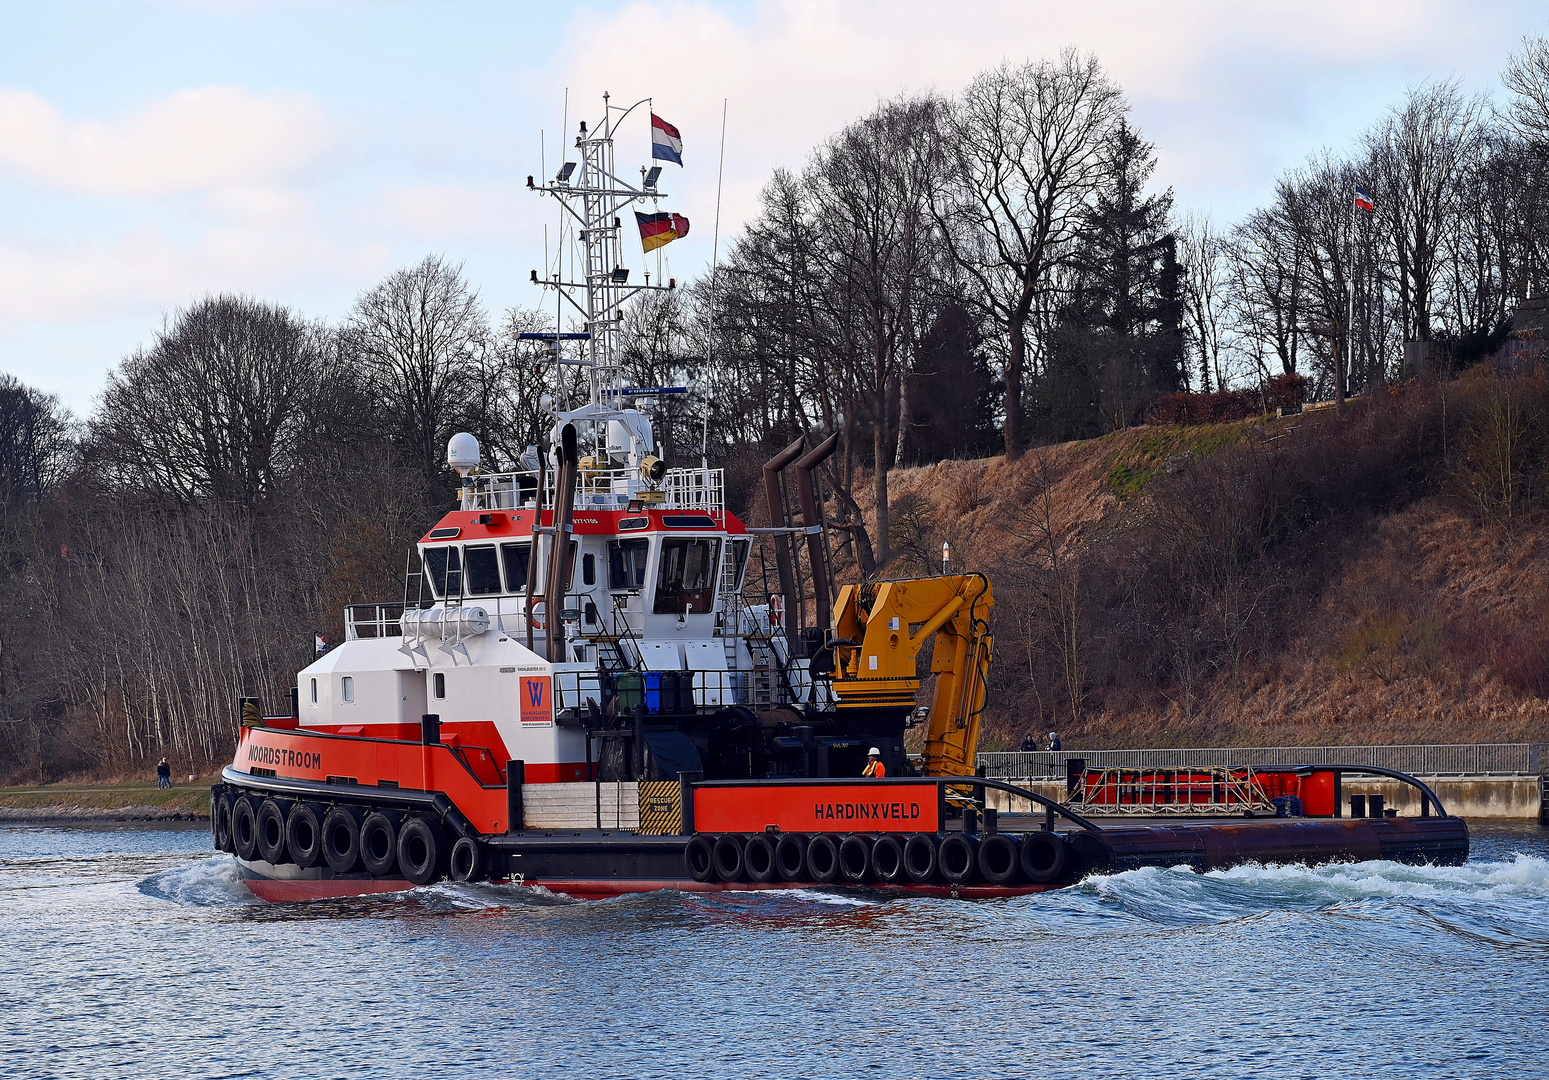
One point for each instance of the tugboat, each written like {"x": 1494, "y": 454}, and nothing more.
{"x": 577, "y": 692}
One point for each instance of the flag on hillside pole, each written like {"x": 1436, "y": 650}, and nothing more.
{"x": 1363, "y": 201}
{"x": 666, "y": 143}
{"x": 659, "y": 229}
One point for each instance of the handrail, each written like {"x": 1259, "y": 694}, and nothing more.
{"x": 1374, "y": 770}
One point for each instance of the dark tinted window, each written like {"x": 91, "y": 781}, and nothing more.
{"x": 514, "y": 556}
{"x": 739, "y": 557}
{"x": 481, "y": 571}
{"x": 444, "y": 568}
{"x": 685, "y": 575}
{"x": 588, "y": 569}
{"x": 626, "y": 563}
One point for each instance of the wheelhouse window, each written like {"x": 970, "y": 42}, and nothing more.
{"x": 626, "y": 563}
{"x": 685, "y": 575}
{"x": 314, "y": 691}
{"x": 444, "y": 568}
{"x": 588, "y": 569}
{"x": 481, "y": 570}
{"x": 440, "y": 681}
{"x": 347, "y": 688}
{"x": 739, "y": 561}
{"x": 514, "y": 557}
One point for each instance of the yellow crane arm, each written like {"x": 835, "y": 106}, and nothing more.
{"x": 879, "y": 629}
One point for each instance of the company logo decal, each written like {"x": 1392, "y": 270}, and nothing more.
{"x": 534, "y": 696}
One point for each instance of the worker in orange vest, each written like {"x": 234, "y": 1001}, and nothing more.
{"x": 874, "y": 768}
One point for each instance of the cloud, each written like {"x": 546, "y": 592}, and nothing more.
{"x": 193, "y": 141}
{"x": 1230, "y": 92}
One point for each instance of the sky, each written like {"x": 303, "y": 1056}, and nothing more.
{"x": 299, "y": 151}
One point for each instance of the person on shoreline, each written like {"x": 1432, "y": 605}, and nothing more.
{"x": 164, "y": 774}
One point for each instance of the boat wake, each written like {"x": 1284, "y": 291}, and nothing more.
{"x": 211, "y": 882}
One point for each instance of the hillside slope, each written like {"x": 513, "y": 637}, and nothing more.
{"x": 1312, "y": 580}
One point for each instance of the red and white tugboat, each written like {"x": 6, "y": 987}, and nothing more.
{"x": 577, "y": 693}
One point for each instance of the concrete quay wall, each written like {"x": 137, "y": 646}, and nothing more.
{"x": 1465, "y": 796}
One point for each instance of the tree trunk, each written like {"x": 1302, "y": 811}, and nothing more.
{"x": 879, "y": 449}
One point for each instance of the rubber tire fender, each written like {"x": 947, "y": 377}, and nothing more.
{"x": 855, "y": 858}
{"x": 244, "y": 828}
{"x": 997, "y": 859}
{"x": 887, "y": 859}
{"x": 698, "y": 857}
{"x": 758, "y": 858}
{"x": 220, "y": 825}
{"x": 1044, "y": 857}
{"x": 304, "y": 834}
{"x": 467, "y": 860}
{"x": 422, "y": 850}
{"x": 341, "y": 838}
{"x": 379, "y": 843}
{"x": 726, "y": 857}
{"x": 791, "y": 857}
{"x": 271, "y": 832}
{"x": 920, "y": 857}
{"x": 959, "y": 857}
{"x": 823, "y": 858}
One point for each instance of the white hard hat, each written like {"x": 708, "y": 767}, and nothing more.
{"x": 874, "y": 752}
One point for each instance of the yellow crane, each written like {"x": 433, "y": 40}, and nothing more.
{"x": 880, "y": 628}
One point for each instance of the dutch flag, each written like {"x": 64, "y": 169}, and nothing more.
{"x": 1363, "y": 201}
{"x": 666, "y": 143}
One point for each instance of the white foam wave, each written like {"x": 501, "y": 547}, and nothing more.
{"x": 209, "y": 882}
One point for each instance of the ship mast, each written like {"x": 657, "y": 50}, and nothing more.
{"x": 592, "y": 193}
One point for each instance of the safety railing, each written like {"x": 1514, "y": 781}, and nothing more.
{"x": 372, "y": 621}
{"x": 1184, "y": 792}
{"x": 601, "y": 489}
{"x": 1462, "y": 759}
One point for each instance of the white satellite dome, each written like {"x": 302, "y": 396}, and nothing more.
{"x": 462, "y": 453}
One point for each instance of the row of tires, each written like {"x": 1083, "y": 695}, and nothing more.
{"x": 385, "y": 843}
{"x": 920, "y": 858}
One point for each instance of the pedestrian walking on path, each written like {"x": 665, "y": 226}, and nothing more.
{"x": 164, "y": 774}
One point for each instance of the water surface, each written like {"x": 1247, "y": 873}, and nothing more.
{"x": 134, "y": 951}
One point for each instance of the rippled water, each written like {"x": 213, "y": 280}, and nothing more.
{"x": 132, "y": 951}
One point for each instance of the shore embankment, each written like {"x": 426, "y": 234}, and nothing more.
{"x": 136, "y": 801}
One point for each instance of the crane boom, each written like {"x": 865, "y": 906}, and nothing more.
{"x": 879, "y": 630}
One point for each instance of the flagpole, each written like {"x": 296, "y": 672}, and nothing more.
{"x": 1342, "y": 369}
{"x": 715, "y": 264}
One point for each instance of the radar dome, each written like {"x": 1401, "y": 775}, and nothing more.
{"x": 462, "y": 453}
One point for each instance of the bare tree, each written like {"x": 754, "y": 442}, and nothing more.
{"x": 1205, "y": 296}
{"x": 1025, "y": 151}
{"x": 215, "y": 407}
{"x": 1527, "y": 78}
{"x": 417, "y": 339}
{"x": 872, "y": 185}
{"x": 34, "y": 442}
{"x": 1420, "y": 156}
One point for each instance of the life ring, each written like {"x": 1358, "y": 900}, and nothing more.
{"x": 535, "y": 617}
{"x": 997, "y": 859}
{"x": 467, "y": 860}
{"x": 1043, "y": 856}
{"x": 421, "y": 850}
{"x": 341, "y": 838}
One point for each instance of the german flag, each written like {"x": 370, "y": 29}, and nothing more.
{"x": 659, "y": 229}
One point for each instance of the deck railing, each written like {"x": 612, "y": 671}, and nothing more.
{"x": 1475, "y": 759}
